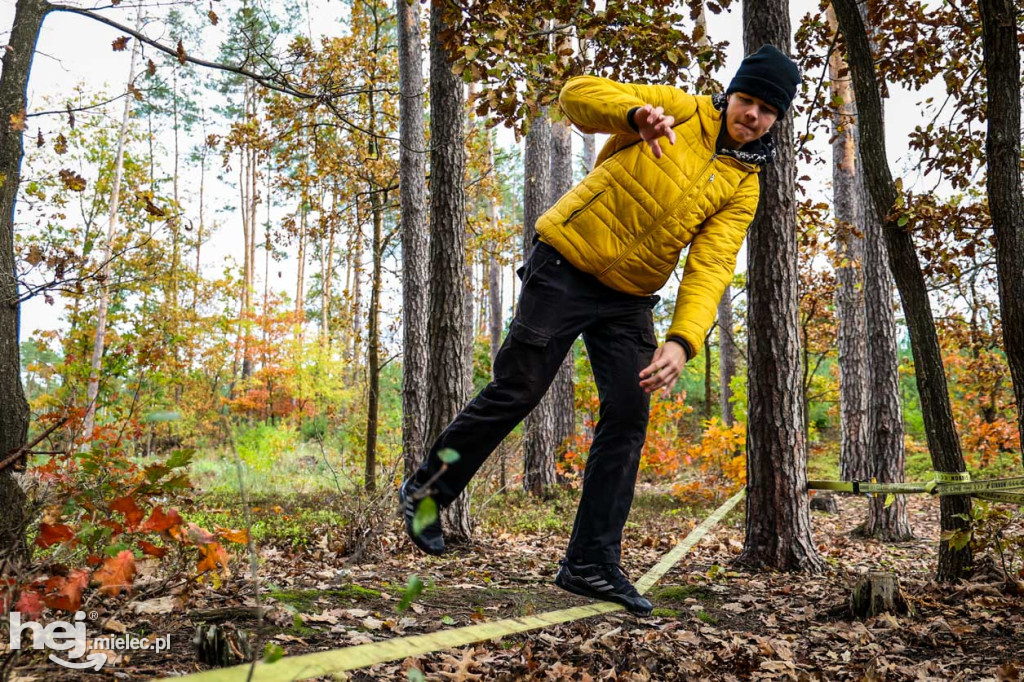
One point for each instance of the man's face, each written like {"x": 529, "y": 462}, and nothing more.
{"x": 748, "y": 118}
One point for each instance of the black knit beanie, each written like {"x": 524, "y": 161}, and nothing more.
{"x": 770, "y": 75}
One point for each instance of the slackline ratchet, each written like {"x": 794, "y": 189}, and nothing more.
{"x": 364, "y": 655}
{"x": 957, "y": 483}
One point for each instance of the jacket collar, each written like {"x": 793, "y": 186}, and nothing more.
{"x": 759, "y": 152}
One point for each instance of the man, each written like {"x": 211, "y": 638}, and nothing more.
{"x": 603, "y": 250}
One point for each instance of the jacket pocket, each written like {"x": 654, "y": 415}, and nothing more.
{"x": 584, "y": 207}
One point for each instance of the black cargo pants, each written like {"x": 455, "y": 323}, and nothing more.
{"x": 558, "y": 303}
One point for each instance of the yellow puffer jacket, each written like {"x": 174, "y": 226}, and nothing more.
{"x": 630, "y": 218}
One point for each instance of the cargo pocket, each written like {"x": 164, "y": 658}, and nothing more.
{"x": 531, "y": 337}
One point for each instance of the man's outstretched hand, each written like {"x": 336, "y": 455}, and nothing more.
{"x": 653, "y": 124}
{"x": 664, "y": 369}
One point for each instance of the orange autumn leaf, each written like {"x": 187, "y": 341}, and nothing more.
{"x": 152, "y": 550}
{"x": 159, "y": 521}
{"x": 211, "y": 556}
{"x": 51, "y": 534}
{"x": 241, "y": 536}
{"x": 120, "y": 44}
{"x": 128, "y": 507}
{"x": 65, "y": 592}
{"x": 116, "y": 573}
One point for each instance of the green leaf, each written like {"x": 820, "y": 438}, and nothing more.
{"x": 903, "y": 220}
{"x": 889, "y": 499}
{"x": 180, "y": 458}
{"x": 448, "y": 456}
{"x": 413, "y": 589}
{"x": 272, "y": 653}
{"x": 415, "y": 675}
{"x": 447, "y": 620}
{"x": 426, "y": 514}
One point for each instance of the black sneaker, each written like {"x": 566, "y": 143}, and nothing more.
{"x": 602, "y": 581}
{"x": 431, "y": 538}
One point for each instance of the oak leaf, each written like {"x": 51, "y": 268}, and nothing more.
{"x": 30, "y": 604}
{"x": 120, "y": 44}
{"x": 211, "y": 556}
{"x": 128, "y": 507}
{"x": 152, "y": 550}
{"x": 52, "y": 534}
{"x": 160, "y": 521}
{"x": 65, "y": 592}
{"x": 116, "y": 573}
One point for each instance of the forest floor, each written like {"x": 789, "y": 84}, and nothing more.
{"x": 712, "y": 620}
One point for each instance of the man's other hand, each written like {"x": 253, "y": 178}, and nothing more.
{"x": 664, "y": 368}
{"x": 653, "y": 124}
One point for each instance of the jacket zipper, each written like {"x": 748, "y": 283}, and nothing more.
{"x": 664, "y": 216}
{"x": 581, "y": 209}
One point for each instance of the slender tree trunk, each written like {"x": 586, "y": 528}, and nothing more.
{"x": 563, "y": 391}
{"x": 943, "y": 442}
{"x": 726, "y": 356}
{"x": 854, "y": 464}
{"x": 1003, "y": 180}
{"x": 100, "y": 336}
{"x": 707, "y": 378}
{"x": 539, "y": 439}
{"x": 450, "y": 364}
{"x": 373, "y": 344}
{"x": 778, "y": 531}
{"x": 14, "y": 416}
{"x": 496, "y": 324}
{"x": 589, "y": 152}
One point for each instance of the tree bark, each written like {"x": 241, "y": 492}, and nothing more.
{"x": 539, "y": 428}
{"x": 1003, "y": 180}
{"x": 373, "y": 342}
{"x": 853, "y": 397}
{"x": 778, "y": 529}
{"x": 885, "y": 444}
{"x": 726, "y": 356}
{"x": 14, "y": 417}
{"x": 943, "y": 442}
{"x": 450, "y": 362}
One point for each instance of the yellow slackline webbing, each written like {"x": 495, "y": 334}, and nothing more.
{"x": 944, "y": 483}
{"x": 364, "y": 655}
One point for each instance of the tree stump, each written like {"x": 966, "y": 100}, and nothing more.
{"x": 878, "y": 592}
{"x": 824, "y": 503}
{"x": 221, "y": 645}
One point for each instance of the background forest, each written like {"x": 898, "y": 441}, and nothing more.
{"x": 251, "y": 289}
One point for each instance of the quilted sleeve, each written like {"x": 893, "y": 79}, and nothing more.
{"x": 600, "y": 105}
{"x": 710, "y": 265}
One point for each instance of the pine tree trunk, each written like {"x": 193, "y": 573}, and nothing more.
{"x": 100, "y": 335}
{"x": 450, "y": 364}
{"x": 854, "y": 464}
{"x": 1003, "y": 180}
{"x": 539, "y": 428}
{"x": 726, "y": 356}
{"x": 778, "y": 530}
{"x": 943, "y": 442}
{"x": 885, "y": 445}
{"x": 14, "y": 417}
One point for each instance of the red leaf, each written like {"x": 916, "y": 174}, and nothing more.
{"x": 127, "y": 506}
{"x": 65, "y": 593}
{"x": 152, "y": 550}
{"x": 116, "y": 573}
{"x": 158, "y": 521}
{"x": 52, "y": 534}
{"x": 120, "y": 44}
{"x": 30, "y": 604}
